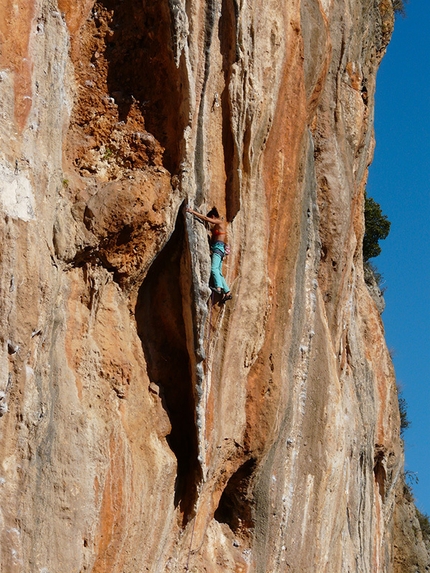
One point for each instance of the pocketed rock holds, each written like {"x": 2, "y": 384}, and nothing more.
{"x": 3, "y": 404}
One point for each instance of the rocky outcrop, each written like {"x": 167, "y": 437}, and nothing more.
{"x": 373, "y": 281}
{"x": 411, "y": 544}
{"x": 145, "y": 427}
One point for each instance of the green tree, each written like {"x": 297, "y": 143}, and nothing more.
{"x": 377, "y": 227}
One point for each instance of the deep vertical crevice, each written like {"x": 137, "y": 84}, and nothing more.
{"x": 228, "y": 44}
{"x": 236, "y": 504}
{"x": 379, "y": 470}
{"x": 198, "y": 156}
{"x": 160, "y": 323}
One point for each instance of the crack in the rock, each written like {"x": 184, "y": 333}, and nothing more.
{"x": 162, "y": 330}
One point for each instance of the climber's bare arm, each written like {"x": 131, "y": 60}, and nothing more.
{"x": 212, "y": 220}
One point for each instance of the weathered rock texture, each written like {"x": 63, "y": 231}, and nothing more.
{"x": 412, "y": 546}
{"x": 145, "y": 427}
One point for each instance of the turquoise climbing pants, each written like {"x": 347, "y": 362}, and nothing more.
{"x": 218, "y": 252}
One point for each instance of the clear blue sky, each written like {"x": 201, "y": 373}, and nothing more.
{"x": 399, "y": 180}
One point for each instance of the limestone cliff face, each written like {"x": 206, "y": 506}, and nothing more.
{"x": 145, "y": 427}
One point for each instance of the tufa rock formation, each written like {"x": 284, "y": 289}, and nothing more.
{"x": 145, "y": 427}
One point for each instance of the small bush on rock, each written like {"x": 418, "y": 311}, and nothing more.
{"x": 399, "y": 7}
{"x": 404, "y": 422}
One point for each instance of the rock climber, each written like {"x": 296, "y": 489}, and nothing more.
{"x": 218, "y": 250}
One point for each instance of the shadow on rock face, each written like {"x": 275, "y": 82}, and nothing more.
{"x": 160, "y": 323}
{"x": 129, "y": 111}
{"x": 141, "y": 70}
{"x": 235, "y": 506}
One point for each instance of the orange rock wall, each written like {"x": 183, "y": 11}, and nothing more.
{"x": 144, "y": 426}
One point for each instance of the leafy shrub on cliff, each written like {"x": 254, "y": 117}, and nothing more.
{"x": 377, "y": 227}
{"x": 404, "y": 422}
{"x": 409, "y": 480}
{"x": 399, "y": 7}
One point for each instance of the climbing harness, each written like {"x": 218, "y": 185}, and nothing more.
{"x": 221, "y": 252}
